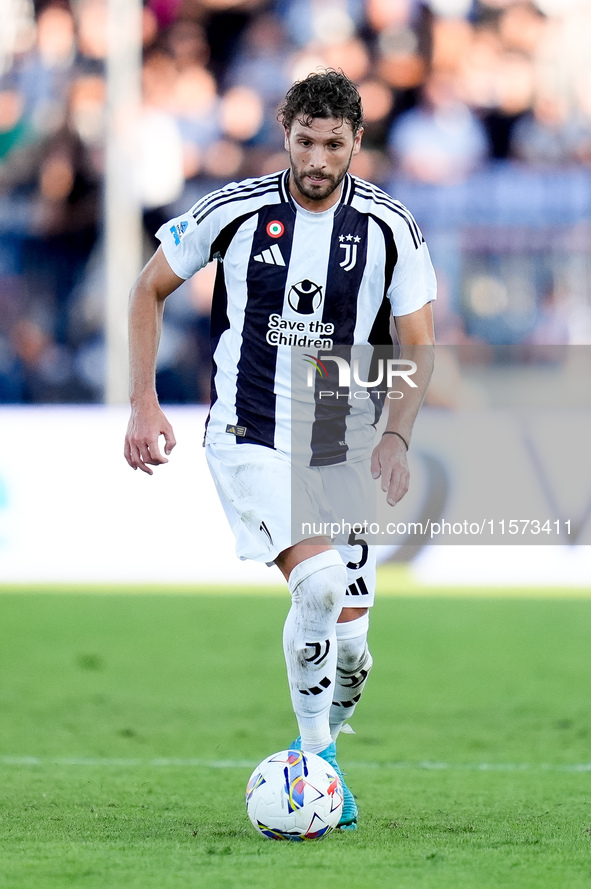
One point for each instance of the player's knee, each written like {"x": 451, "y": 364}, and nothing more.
{"x": 353, "y": 653}
{"x": 351, "y": 660}
{"x": 319, "y": 583}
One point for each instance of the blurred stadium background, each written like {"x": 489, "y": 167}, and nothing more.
{"x": 478, "y": 117}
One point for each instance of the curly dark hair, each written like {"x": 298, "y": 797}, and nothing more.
{"x": 323, "y": 94}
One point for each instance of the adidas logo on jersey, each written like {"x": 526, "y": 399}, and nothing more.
{"x": 272, "y": 256}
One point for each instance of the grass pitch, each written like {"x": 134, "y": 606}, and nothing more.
{"x": 129, "y": 725}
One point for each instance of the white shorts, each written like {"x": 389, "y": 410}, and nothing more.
{"x": 256, "y": 488}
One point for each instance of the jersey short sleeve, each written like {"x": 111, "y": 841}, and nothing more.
{"x": 413, "y": 280}
{"x": 185, "y": 244}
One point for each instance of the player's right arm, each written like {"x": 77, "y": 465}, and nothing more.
{"x": 147, "y": 421}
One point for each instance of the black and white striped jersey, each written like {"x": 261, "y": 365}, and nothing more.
{"x": 289, "y": 279}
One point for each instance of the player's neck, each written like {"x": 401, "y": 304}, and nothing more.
{"x": 313, "y": 206}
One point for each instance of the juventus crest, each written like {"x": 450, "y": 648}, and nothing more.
{"x": 348, "y": 243}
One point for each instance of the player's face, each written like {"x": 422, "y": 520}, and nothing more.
{"x": 319, "y": 157}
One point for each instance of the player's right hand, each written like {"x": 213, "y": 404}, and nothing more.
{"x": 142, "y": 450}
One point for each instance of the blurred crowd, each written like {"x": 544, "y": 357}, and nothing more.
{"x": 471, "y": 107}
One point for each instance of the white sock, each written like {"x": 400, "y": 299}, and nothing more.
{"x": 317, "y": 586}
{"x": 353, "y": 665}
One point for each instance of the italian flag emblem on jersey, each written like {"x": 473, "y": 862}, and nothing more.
{"x": 275, "y": 229}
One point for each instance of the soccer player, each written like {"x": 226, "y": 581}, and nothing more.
{"x": 318, "y": 251}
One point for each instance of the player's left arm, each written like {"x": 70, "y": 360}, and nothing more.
{"x": 389, "y": 458}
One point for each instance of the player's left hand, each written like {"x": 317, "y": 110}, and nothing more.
{"x": 389, "y": 462}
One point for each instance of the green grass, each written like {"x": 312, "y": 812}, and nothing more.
{"x": 473, "y": 723}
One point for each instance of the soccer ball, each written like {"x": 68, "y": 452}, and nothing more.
{"x": 293, "y": 795}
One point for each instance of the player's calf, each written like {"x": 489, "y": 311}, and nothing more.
{"x": 317, "y": 587}
{"x": 354, "y": 663}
